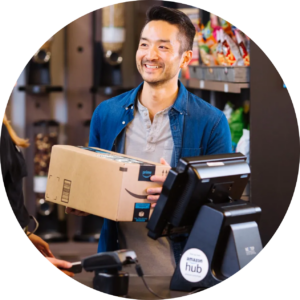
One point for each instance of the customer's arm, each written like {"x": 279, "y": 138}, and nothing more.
{"x": 61, "y": 264}
{"x": 41, "y": 245}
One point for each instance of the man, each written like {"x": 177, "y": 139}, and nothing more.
{"x": 159, "y": 120}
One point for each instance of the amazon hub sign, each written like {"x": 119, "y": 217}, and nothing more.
{"x": 102, "y": 183}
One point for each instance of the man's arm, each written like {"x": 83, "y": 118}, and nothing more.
{"x": 220, "y": 138}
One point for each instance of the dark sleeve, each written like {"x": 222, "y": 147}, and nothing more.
{"x": 3, "y": 153}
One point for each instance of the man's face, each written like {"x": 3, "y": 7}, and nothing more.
{"x": 158, "y": 57}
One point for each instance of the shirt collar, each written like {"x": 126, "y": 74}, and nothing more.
{"x": 179, "y": 105}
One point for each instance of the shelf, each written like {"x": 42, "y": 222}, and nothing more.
{"x": 217, "y": 86}
{"x": 40, "y": 89}
{"x": 109, "y": 90}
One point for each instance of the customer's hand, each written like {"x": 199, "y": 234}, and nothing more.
{"x": 154, "y": 192}
{"x": 41, "y": 245}
{"x": 61, "y": 264}
{"x": 76, "y": 212}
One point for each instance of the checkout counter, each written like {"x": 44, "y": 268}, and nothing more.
{"x": 136, "y": 288}
{"x": 200, "y": 201}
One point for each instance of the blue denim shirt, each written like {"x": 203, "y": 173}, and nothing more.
{"x": 197, "y": 128}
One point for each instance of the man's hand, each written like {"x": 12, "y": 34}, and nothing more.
{"x": 154, "y": 192}
{"x": 41, "y": 245}
{"x": 76, "y": 212}
{"x": 61, "y": 264}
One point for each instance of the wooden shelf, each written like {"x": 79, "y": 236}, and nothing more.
{"x": 218, "y": 86}
{"x": 110, "y": 90}
{"x": 40, "y": 89}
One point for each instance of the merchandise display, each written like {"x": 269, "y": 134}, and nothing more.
{"x": 221, "y": 44}
{"x": 50, "y": 216}
{"x": 102, "y": 183}
{"x": 43, "y": 145}
{"x": 237, "y": 119}
{"x": 43, "y": 55}
{"x": 113, "y": 32}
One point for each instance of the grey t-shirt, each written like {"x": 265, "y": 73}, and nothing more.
{"x": 149, "y": 141}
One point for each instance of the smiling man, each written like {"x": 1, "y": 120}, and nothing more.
{"x": 158, "y": 121}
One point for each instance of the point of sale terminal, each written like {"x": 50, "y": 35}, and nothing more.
{"x": 201, "y": 200}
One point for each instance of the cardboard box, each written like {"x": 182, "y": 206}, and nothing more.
{"x": 102, "y": 183}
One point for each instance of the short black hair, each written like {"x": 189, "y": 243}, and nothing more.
{"x": 174, "y": 17}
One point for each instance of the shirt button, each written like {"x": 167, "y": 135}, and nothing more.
{"x": 145, "y": 114}
{"x": 148, "y": 126}
{"x": 123, "y": 122}
{"x": 126, "y": 108}
{"x": 174, "y": 127}
{"x": 132, "y": 107}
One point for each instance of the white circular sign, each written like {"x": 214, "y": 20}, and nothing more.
{"x": 194, "y": 265}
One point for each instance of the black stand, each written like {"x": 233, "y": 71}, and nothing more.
{"x": 90, "y": 229}
{"x": 228, "y": 238}
{"x": 115, "y": 283}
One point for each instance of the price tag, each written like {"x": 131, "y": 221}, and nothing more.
{"x": 225, "y": 87}
{"x": 202, "y": 84}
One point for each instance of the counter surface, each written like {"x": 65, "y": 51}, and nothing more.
{"x": 137, "y": 289}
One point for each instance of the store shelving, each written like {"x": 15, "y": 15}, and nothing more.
{"x": 40, "y": 89}
{"x": 217, "y": 86}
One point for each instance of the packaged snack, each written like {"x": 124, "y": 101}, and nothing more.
{"x": 226, "y": 26}
{"x": 204, "y": 49}
{"x": 205, "y": 55}
{"x": 231, "y": 51}
{"x": 220, "y": 55}
{"x": 241, "y": 41}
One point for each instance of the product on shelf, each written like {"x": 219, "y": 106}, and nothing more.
{"x": 205, "y": 52}
{"x": 242, "y": 42}
{"x": 43, "y": 145}
{"x": 243, "y": 145}
{"x": 222, "y": 44}
{"x": 226, "y": 26}
{"x": 220, "y": 54}
{"x": 236, "y": 125}
{"x": 209, "y": 36}
{"x": 231, "y": 51}
{"x": 113, "y": 31}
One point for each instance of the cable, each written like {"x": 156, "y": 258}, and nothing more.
{"x": 140, "y": 273}
{"x": 36, "y": 225}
